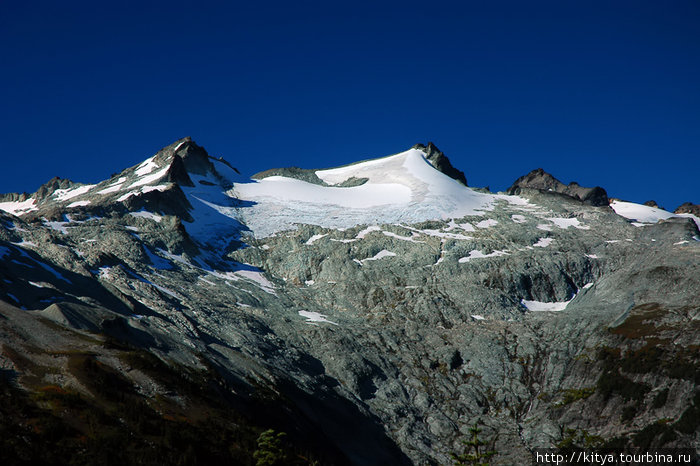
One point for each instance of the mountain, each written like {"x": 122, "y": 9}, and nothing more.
{"x": 372, "y": 312}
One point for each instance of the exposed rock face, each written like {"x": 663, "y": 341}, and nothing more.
{"x": 540, "y": 180}
{"x": 441, "y": 163}
{"x": 376, "y": 342}
{"x": 688, "y": 208}
{"x": 303, "y": 174}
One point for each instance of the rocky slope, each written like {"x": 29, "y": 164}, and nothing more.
{"x": 372, "y": 312}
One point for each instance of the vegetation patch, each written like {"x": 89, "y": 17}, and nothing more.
{"x": 574, "y": 394}
{"x": 641, "y": 322}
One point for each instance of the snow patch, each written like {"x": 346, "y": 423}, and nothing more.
{"x": 314, "y": 238}
{"x": 160, "y": 187}
{"x": 147, "y": 214}
{"x": 518, "y": 218}
{"x": 111, "y": 189}
{"x": 476, "y": 254}
{"x": 312, "y": 317}
{"x": 150, "y": 178}
{"x": 127, "y": 196}
{"x": 146, "y": 167}
{"x": 565, "y": 223}
{"x": 541, "y": 306}
{"x": 642, "y": 214}
{"x": 19, "y": 207}
{"x": 410, "y": 239}
{"x": 79, "y": 204}
{"x": 66, "y": 194}
{"x": 380, "y": 255}
{"x": 543, "y": 242}
{"x": 487, "y": 223}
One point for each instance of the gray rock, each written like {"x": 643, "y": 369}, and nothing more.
{"x": 544, "y": 182}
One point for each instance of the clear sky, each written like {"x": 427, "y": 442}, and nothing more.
{"x": 599, "y": 92}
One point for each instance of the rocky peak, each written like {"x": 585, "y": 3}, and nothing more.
{"x": 688, "y": 208}
{"x": 55, "y": 183}
{"x": 440, "y": 161}
{"x": 542, "y": 181}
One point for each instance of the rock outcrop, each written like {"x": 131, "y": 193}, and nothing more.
{"x": 544, "y": 182}
{"x": 441, "y": 163}
{"x": 688, "y": 208}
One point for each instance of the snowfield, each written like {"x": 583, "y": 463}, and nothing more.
{"x": 402, "y": 188}
{"x": 641, "y": 214}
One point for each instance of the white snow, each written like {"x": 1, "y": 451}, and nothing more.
{"x": 587, "y": 286}
{"x": 315, "y": 317}
{"x": 19, "y": 207}
{"x": 24, "y": 244}
{"x": 309, "y": 282}
{"x": 478, "y": 317}
{"x": 58, "y": 226}
{"x": 160, "y": 187}
{"x": 592, "y": 256}
{"x": 518, "y": 218}
{"x": 127, "y": 196}
{"x": 150, "y": 178}
{"x": 544, "y": 227}
{"x": 314, "y": 238}
{"x": 487, "y": 223}
{"x": 147, "y": 214}
{"x": 476, "y": 254}
{"x": 565, "y": 223}
{"x": 146, "y": 167}
{"x": 111, "y": 189}
{"x": 78, "y": 204}
{"x": 446, "y": 235}
{"x": 38, "y": 285}
{"x": 254, "y": 276}
{"x": 66, "y": 194}
{"x": 540, "y": 306}
{"x": 642, "y": 214}
{"x": 543, "y": 242}
{"x": 367, "y": 231}
{"x": 380, "y": 255}
{"x": 464, "y": 226}
{"x": 402, "y": 188}
{"x": 410, "y": 239}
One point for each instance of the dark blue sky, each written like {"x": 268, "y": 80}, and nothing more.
{"x": 599, "y": 92}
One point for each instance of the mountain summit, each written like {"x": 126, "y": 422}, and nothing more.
{"x": 372, "y": 312}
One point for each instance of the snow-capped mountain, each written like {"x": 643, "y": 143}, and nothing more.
{"x": 373, "y": 311}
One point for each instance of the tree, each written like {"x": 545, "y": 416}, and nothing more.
{"x": 475, "y": 454}
{"x": 270, "y": 451}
